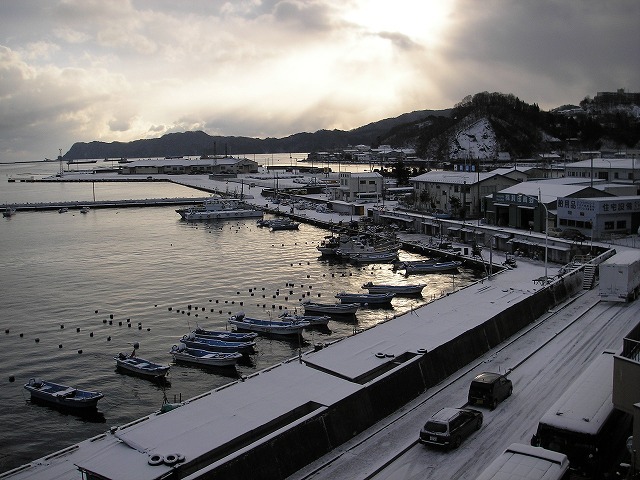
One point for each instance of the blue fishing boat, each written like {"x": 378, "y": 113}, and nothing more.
{"x": 213, "y": 345}
{"x": 60, "y": 395}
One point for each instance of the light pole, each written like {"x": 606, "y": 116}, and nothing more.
{"x": 546, "y": 229}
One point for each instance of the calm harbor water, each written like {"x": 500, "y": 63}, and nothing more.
{"x": 95, "y": 283}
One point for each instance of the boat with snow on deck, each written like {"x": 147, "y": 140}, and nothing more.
{"x": 366, "y": 298}
{"x": 414, "y": 289}
{"x": 140, "y": 366}
{"x": 330, "y": 308}
{"x": 60, "y": 395}
{"x": 429, "y": 266}
{"x": 182, "y": 353}
{"x": 225, "y": 335}
{"x": 274, "y": 327}
{"x": 312, "y": 319}
{"x": 219, "y": 209}
{"x": 212, "y": 345}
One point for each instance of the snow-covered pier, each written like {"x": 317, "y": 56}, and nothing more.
{"x": 274, "y": 422}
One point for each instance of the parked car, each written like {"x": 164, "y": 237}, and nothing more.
{"x": 573, "y": 234}
{"x": 449, "y": 426}
{"x": 489, "y": 389}
{"x": 554, "y": 232}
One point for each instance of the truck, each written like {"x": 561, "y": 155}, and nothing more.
{"x": 527, "y": 463}
{"x": 620, "y": 277}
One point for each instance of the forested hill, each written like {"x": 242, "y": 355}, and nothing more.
{"x": 199, "y": 143}
{"x": 480, "y": 126}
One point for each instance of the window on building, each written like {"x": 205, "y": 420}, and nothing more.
{"x": 608, "y": 225}
{"x": 621, "y": 224}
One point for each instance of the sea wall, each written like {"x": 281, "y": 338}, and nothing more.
{"x": 295, "y": 446}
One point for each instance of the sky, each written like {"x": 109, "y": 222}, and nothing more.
{"x": 84, "y": 70}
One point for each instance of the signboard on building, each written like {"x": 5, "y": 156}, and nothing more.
{"x": 515, "y": 199}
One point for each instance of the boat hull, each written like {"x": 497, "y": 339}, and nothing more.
{"x": 212, "y": 345}
{"x": 397, "y": 289}
{"x": 330, "y": 309}
{"x": 270, "y": 327}
{"x": 204, "y": 357}
{"x": 62, "y": 395}
{"x": 366, "y": 298}
{"x": 226, "y": 336}
{"x": 141, "y": 367}
{"x": 437, "y": 267}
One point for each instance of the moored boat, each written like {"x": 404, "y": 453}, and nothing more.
{"x": 283, "y": 224}
{"x": 182, "y": 353}
{"x": 225, "y": 335}
{"x": 62, "y": 395}
{"x": 366, "y": 298}
{"x": 430, "y": 266}
{"x": 312, "y": 319}
{"x": 140, "y": 366}
{"x": 415, "y": 289}
{"x": 213, "y": 345}
{"x": 219, "y": 209}
{"x": 276, "y": 327}
{"x": 372, "y": 257}
{"x": 330, "y": 308}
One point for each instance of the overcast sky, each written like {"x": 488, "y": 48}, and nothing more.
{"x": 120, "y": 70}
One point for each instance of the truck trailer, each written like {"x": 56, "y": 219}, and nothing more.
{"x": 620, "y": 277}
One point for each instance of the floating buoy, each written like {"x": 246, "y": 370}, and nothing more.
{"x": 21, "y": 335}
{"x": 80, "y": 351}
{"x": 12, "y": 378}
{"x": 91, "y": 334}
{"x": 111, "y": 315}
{"x": 110, "y": 322}
{"x": 37, "y": 340}
{"x": 104, "y": 320}
{"x": 78, "y": 329}
{"x": 188, "y": 307}
{"x": 60, "y": 345}
{"x": 96, "y": 311}
{"x": 120, "y": 324}
{"x": 170, "y": 308}
{"x": 6, "y": 331}
{"x": 108, "y": 339}
{"x": 139, "y": 327}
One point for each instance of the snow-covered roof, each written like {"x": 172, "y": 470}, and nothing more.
{"x": 457, "y": 178}
{"x": 548, "y": 191}
{"x": 586, "y": 404}
{"x": 608, "y": 163}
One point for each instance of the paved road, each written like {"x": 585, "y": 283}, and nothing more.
{"x": 546, "y": 360}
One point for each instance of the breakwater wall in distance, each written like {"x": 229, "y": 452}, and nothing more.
{"x": 295, "y": 446}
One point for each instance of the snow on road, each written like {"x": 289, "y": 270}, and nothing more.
{"x": 545, "y": 361}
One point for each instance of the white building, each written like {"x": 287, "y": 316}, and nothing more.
{"x": 359, "y": 187}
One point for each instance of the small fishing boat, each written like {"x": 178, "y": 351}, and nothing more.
{"x": 216, "y": 208}
{"x": 283, "y": 224}
{"x": 62, "y": 395}
{"x": 415, "y": 289}
{"x": 329, "y": 245}
{"x": 372, "y": 257}
{"x": 275, "y": 327}
{"x": 63, "y": 210}
{"x": 366, "y": 298}
{"x": 225, "y": 335}
{"x": 312, "y": 319}
{"x": 139, "y": 366}
{"x": 84, "y": 209}
{"x": 182, "y": 353}
{"x": 213, "y": 345}
{"x": 430, "y": 266}
{"x": 9, "y": 212}
{"x": 330, "y": 308}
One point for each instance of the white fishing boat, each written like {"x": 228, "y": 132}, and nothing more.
{"x": 330, "y": 308}
{"x": 216, "y": 208}
{"x": 430, "y": 266}
{"x": 60, "y": 395}
{"x": 283, "y": 224}
{"x": 415, "y": 289}
{"x": 182, "y": 353}
{"x": 225, "y": 335}
{"x": 276, "y": 327}
{"x": 366, "y": 298}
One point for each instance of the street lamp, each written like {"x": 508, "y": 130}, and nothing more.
{"x": 546, "y": 229}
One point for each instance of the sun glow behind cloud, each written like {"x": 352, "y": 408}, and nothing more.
{"x": 419, "y": 20}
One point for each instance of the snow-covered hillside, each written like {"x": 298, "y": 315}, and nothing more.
{"x": 477, "y": 140}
